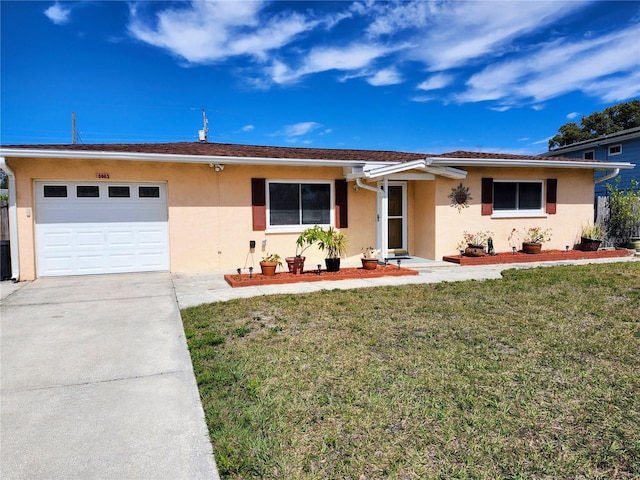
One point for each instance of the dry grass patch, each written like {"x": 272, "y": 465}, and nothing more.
{"x": 531, "y": 376}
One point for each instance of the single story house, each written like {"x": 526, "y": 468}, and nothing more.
{"x": 622, "y": 146}
{"x": 185, "y": 207}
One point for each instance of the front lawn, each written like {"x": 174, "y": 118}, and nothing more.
{"x": 536, "y": 375}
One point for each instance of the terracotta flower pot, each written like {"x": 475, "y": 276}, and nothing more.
{"x": 295, "y": 264}
{"x": 268, "y": 268}
{"x": 369, "y": 263}
{"x": 531, "y": 247}
{"x": 474, "y": 251}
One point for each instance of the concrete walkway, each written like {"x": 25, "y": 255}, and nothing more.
{"x": 198, "y": 288}
{"x": 97, "y": 382}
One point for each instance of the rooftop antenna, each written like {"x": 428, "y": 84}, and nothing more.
{"x": 74, "y": 133}
{"x": 203, "y": 134}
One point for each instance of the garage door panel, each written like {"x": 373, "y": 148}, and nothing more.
{"x": 58, "y": 239}
{"x": 89, "y": 239}
{"x": 106, "y": 235}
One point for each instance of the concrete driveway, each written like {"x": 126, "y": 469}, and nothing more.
{"x": 97, "y": 383}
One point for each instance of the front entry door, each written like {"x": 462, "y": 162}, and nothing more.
{"x": 397, "y": 222}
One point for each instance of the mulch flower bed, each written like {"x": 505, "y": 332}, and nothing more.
{"x": 246, "y": 280}
{"x": 544, "y": 256}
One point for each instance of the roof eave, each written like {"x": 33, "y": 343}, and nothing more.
{"x": 507, "y": 162}
{"x": 172, "y": 158}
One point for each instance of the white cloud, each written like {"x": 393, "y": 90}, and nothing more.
{"x": 540, "y": 142}
{"x": 606, "y": 67}
{"x": 537, "y": 108}
{"x": 299, "y": 129}
{"x": 615, "y": 89}
{"x": 572, "y": 115}
{"x": 204, "y": 32}
{"x": 391, "y": 17}
{"x": 351, "y": 57}
{"x": 424, "y": 98}
{"x": 436, "y": 82}
{"x": 387, "y": 76}
{"x": 58, "y": 14}
{"x": 248, "y": 128}
{"x": 458, "y": 32}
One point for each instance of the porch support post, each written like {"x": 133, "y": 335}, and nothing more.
{"x": 384, "y": 219}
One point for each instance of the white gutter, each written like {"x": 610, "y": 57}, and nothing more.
{"x": 13, "y": 220}
{"x": 604, "y": 178}
{"x": 164, "y": 157}
{"x": 506, "y": 162}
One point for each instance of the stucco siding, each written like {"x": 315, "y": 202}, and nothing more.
{"x": 574, "y": 200}
{"x": 210, "y": 214}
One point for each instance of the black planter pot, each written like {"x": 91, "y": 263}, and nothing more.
{"x": 589, "y": 245}
{"x": 333, "y": 264}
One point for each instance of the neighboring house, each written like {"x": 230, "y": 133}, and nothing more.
{"x": 623, "y": 146}
{"x": 184, "y": 207}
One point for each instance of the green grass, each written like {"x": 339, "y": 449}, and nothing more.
{"x": 533, "y": 376}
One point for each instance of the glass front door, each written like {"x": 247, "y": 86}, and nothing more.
{"x": 397, "y": 221}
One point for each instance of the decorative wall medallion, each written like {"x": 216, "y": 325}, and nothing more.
{"x": 460, "y": 197}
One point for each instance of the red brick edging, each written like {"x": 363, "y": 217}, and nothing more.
{"x": 544, "y": 256}
{"x": 281, "y": 278}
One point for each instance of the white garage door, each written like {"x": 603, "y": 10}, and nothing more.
{"x": 96, "y": 227}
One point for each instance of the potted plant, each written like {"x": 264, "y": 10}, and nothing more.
{"x": 369, "y": 259}
{"x": 335, "y": 244}
{"x": 475, "y": 243}
{"x": 269, "y": 263}
{"x": 591, "y": 237}
{"x": 307, "y": 238}
{"x": 532, "y": 238}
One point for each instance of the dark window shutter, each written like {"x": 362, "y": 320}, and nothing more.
{"x": 259, "y": 204}
{"x": 341, "y": 203}
{"x": 487, "y": 196}
{"x": 552, "y": 195}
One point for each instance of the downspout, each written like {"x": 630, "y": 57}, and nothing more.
{"x": 379, "y": 233}
{"x": 367, "y": 187}
{"x": 13, "y": 220}
{"x": 614, "y": 173}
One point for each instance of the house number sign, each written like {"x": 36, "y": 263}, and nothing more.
{"x": 102, "y": 175}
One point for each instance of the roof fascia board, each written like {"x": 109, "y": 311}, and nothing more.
{"x": 505, "y": 162}
{"x": 169, "y": 158}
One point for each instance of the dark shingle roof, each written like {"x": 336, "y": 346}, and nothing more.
{"x": 259, "y": 151}
{"x": 504, "y": 156}
{"x": 233, "y": 150}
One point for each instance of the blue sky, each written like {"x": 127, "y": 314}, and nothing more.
{"x": 426, "y": 76}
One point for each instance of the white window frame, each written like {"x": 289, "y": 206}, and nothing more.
{"x": 299, "y": 228}
{"x": 618, "y": 145}
{"x": 592, "y": 152}
{"x": 517, "y": 213}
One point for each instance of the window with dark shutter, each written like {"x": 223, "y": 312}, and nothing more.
{"x": 258, "y": 204}
{"x": 487, "y": 196}
{"x": 342, "y": 191}
{"x": 552, "y": 194}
